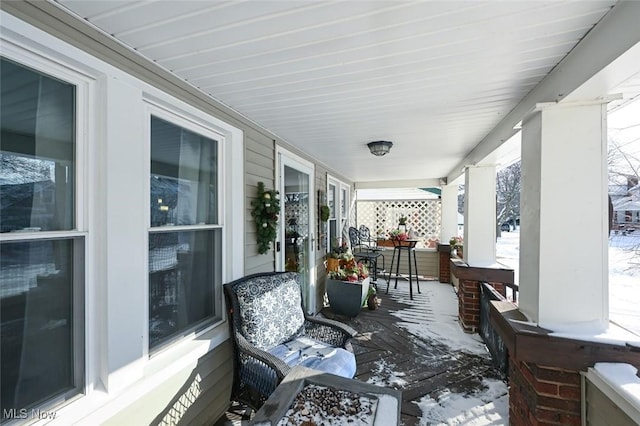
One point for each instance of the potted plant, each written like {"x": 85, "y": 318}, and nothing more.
{"x": 456, "y": 243}
{"x": 399, "y": 237}
{"x": 333, "y": 258}
{"x": 348, "y": 286}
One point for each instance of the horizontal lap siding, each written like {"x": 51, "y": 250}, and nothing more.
{"x": 259, "y": 163}
{"x": 197, "y": 395}
{"x": 427, "y": 261}
{"x": 601, "y": 410}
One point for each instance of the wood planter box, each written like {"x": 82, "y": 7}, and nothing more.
{"x": 346, "y": 298}
{"x": 389, "y": 243}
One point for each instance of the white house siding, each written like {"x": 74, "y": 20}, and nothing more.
{"x": 259, "y": 163}
{"x": 196, "y": 396}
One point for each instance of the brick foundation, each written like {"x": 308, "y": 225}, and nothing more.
{"x": 444, "y": 255}
{"x": 544, "y": 370}
{"x": 543, "y": 395}
{"x": 469, "y": 279}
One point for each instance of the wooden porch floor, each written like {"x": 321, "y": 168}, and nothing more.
{"x": 390, "y": 352}
{"x": 408, "y": 345}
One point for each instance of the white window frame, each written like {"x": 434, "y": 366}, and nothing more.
{"x": 340, "y": 218}
{"x": 230, "y": 205}
{"x": 81, "y": 238}
{"x": 181, "y": 119}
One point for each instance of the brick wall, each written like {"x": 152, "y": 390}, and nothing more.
{"x": 444, "y": 272}
{"x": 541, "y": 395}
{"x": 469, "y": 303}
{"x": 544, "y": 369}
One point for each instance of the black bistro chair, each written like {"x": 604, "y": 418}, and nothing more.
{"x": 364, "y": 253}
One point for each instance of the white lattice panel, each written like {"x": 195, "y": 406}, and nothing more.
{"x": 423, "y": 218}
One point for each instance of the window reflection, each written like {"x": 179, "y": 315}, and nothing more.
{"x": 41, "y": 345}
{"x": 184, "y": 282}
{"x": 183, "y": 176}
{"x": 185, "y": 273}
{"x": 37, "y": 151}
{"x": 37, "y": 321}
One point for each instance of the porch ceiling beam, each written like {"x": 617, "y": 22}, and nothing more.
{"x": 615, "y": 35}
{"x": 414, "y": 183}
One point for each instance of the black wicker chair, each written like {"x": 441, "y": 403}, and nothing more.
{"x": 257, "y": 372}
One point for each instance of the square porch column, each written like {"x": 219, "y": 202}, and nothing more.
{"x": 564, "y": 228}
{"x": 480, "y": 216}
{"x": 448, "y": 229}
{"x": 449, "y": 214}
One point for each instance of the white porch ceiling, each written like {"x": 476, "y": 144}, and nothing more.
{"x": 434, "y": 77}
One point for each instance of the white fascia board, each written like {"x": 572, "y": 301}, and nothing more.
{"x": 415, "y": 183}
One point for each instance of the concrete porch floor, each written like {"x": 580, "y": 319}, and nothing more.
{"x": 417, "y": 346}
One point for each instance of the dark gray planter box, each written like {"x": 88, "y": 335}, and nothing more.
{"x": 346, "y": 298}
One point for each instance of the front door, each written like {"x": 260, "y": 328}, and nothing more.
{"x": 296, "y": 235}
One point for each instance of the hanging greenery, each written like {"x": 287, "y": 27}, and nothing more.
{"x": 325, "y": 213}
{"x": 266, "y": 208}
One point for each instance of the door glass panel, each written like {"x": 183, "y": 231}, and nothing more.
{"x": 333, "y": 222}
{"x": 297, "y": 225}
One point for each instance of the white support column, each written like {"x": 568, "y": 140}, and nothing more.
{"x": 449, "y": 213}
{"x": 480, "y": 216}
{"x": 564, "y": 228}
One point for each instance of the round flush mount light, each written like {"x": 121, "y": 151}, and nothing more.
{"x": 380, "y": 148}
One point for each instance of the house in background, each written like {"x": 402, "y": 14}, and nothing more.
{"x": 112, "y": 310}
{"x": 625, "y": 199}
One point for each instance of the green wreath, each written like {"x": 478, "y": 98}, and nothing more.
{"x": 266, "y": 208}
{"x": 325, "y": 213}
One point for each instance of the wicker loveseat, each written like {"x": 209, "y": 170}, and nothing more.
{"x": 272, "y": 333}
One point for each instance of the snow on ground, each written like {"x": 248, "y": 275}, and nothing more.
{"x": 624, "y": 274}
{"x": 385, "y": 376}
{"x": 441, "y": 324}
{"x": 624, "y": 281}
{"x": 489, "y": 406}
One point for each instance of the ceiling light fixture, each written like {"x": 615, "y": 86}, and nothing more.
{"x": 379, "y": 148}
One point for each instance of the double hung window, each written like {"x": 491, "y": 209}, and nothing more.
{"x": 41, "y": 246}
{"x": 185, "y": 237}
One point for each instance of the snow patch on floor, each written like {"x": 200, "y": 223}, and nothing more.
{"x": 487, "y": 407}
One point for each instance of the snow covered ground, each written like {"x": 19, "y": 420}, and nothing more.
{"x": 433, "y": 317}
{"x": 624, "y": 274}
{"x": 491, "y": 406}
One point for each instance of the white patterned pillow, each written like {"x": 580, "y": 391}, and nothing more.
{"x": 270, "y": 310}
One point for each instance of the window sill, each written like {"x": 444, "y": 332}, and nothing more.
{"x": 188, "y": 350}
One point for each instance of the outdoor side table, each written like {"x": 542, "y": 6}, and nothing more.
{"x": 387, "y": 410}
{"x": 398, "y": 247}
